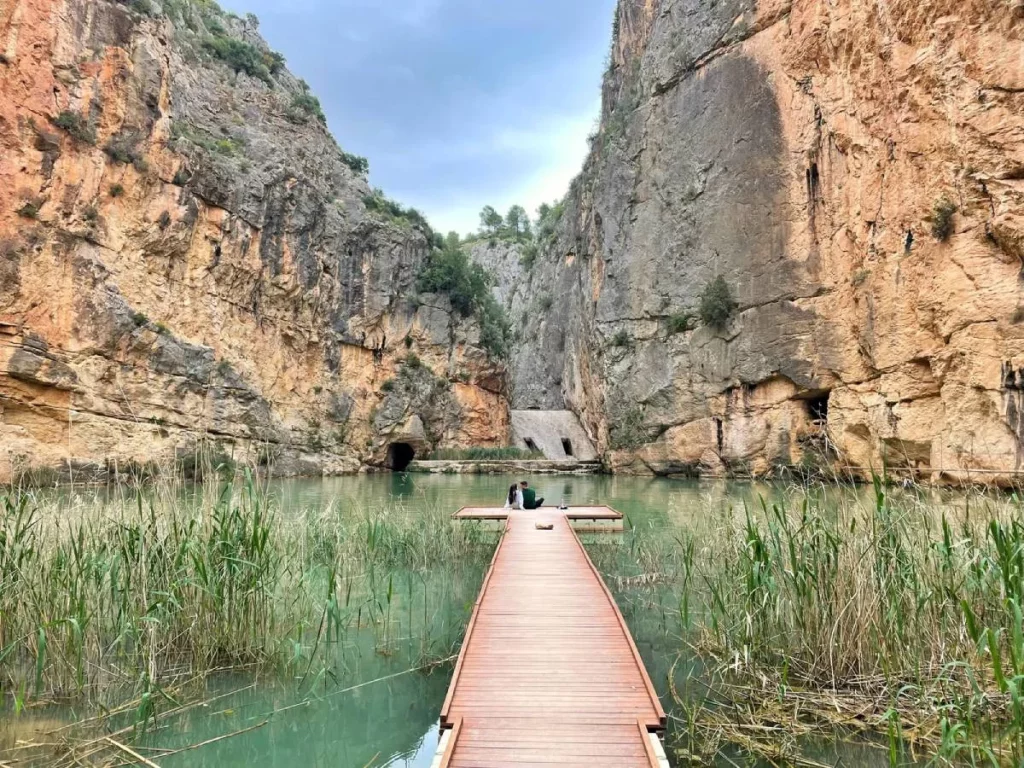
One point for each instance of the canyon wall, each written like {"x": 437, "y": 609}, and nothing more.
{"x": 187, "y": 258}
{"x": 854, "y": 170}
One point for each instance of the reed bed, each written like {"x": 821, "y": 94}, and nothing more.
{"x": 888, "y": 618}
{"x": 485, "y": 454}
{"x": 125, "y": 597}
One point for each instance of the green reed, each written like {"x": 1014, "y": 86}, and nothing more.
{"x": 485, "y": 454}
{"x": 154, "y": 586}
{"x": 907, "y": 618}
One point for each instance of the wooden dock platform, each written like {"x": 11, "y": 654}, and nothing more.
{"x": 548, "y": 673}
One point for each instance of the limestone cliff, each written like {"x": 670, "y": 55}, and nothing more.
{"x": 186, "y": 255}
{"x": 853, "y": 169}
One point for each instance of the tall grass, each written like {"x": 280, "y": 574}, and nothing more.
{"x": 484, "y": 454}
{"x": 891, "y": 617}
{"x": 146, "y": 587}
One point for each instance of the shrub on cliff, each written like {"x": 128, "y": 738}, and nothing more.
{"x": 942, "y": 220}
{"x": 495, "y": 329}
{"x": 391, "y": 210}
{"x": 716, "y": 303}
{"x": 29, "y": 210}
{"x": 548, "y": 218}
{"x": 449, "y": 271}
{"x": 620, "y": 339}
{"x": 243, "y": 57}
{"x": 359, "y": 165}
{"x": 124, "y": 148}
{"x": 76, "y": 126}
{"x": 679, "y": 323}
{"x": 529, "y": 254}
{"x": 305, "y": 106}
{"x": 628, "y": 430}
{"x": 143, "y": 7}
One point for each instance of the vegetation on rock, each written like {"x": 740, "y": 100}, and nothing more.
{"x": 305, "y": 106}
{"x": 515, "y": 225}
{"x": 941, "y": 219}
{"x": 679, "y": 323}
{"x": 548, "y": 218}
{"x": 123, "y": 148}
{"x": 449, "y": 271}
{"x": 76, "y": 126}
{"x": 379, "y": 203}
{"x": 484, "y": 454}
{"x": 29, "y": 210}
{"x": 621, "y": 339}
{"x": 244, "y": 57}
{"x": 717, "y": 304}
{"x": 628, "y": 430}
{"x": 359, "y": 165}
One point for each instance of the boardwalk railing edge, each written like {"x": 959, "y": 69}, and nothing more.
{"x": 645, "y": 735}
{"x": 469, "y": 633}
{"x": 574, "y": 518}
{"x": 653, "y": 694}
{"x": 449, "y": 751}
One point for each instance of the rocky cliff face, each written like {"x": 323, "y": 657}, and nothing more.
{"x": 805, "y": 152}
{"x": 187, "y": 256}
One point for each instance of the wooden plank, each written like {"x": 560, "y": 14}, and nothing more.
{"x": 628, "y": 636}
{"x": 548, "y": 673}
{"x": 572, "y": 513}
{"x": 469, "y": 633}
{"x": 652, "y": 758}
{"x": 449, "y": 750}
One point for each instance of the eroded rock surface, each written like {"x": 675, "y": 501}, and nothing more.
{"x": 800, "y": 150}
{"x": 186, "y": 256}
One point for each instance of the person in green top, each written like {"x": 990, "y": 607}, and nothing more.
{"x": 530, "y": 500}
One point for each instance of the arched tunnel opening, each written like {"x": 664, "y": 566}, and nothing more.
{"x": 400, "y": 455}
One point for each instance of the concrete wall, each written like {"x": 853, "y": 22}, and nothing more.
{"x": 547, "y": 429}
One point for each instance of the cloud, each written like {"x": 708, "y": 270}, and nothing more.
{"x": 457, "y": 103}
{"x": 561, "y": 146}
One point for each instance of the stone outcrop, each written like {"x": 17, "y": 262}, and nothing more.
{"x": 186, "y": 256}
{"x": 854, "y": 171}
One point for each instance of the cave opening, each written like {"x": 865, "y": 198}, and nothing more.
{"x": 531, "y": 445}
{"x": 817, "y": 408}
{"x": 400, "y": 456}
{"x": 567, "y": 446}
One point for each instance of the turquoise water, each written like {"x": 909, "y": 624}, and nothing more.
{"x": 380, "y": 708}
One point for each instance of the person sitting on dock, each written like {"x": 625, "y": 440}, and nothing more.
{"x": 530, "y": 500}
{"x": 515, "y": 498}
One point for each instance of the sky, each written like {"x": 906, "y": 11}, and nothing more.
{"x": 457, "y": 103}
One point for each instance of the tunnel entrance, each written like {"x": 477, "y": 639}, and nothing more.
{"x": 817, "y": 409}
{"x": 400, "y": 455}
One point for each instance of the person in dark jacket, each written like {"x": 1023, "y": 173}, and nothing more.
{"x": 530, "y": 500}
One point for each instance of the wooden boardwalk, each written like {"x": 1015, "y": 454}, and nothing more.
{"x": 548, "y": 673}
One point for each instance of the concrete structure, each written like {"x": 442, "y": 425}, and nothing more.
{"x": 557, "y": 434}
